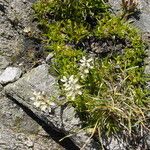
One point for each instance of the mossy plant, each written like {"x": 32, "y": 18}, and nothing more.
{"x": 108, "y": 92}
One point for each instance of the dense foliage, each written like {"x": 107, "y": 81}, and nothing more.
{"x": 107, "y": 87}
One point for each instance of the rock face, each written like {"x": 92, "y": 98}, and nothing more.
{"x": 10, "y": 74}
{"x": 19, "y": 132}
{"x": 62, "y": 119}
{"x": 15, "y": 16}
{"x": 3, "y": 62}
{"x": 142, "y": 19}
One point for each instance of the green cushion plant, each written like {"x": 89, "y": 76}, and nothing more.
{"x": 108, "y": 92}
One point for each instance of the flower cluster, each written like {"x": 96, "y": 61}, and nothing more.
{"x": 85, "y": 66}
{"x": 41, "y": 101}
{"x": 71, "y": 87}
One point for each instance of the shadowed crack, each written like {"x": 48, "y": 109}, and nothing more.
{"x": 2, "y": 8}
{"x": 56, "y": 135}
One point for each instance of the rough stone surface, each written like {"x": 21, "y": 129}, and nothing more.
{"x": 20, "y": 132}
{"x": 15, "y": 16}
{"x": 142, "y": 19}
{"x": 61, "y": 119}
{"x": 17, "y": 130}
{"x": 3, "y": 62}
{"x": 10, "y": 74}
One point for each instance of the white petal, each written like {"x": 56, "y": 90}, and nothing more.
{"x": 37, "y": 104}
{"x": 43, "y": 93}
{"x": 68, "y": 88}
{"x": 91, "y": 67}
{"x": 48, "y": 102}
{"x": 90, "y": 60}
{"x": 34, "y": 93}
{"x": 66, "y": 85}
{"x": 42, "y": 103}
{"x": 80, "y": 92}
{"x": 83, "y": 65}
{"x": 83, "y": 59}
{"x": 71, "y": 78}
{"x": 27, "y": 29}
{"x": 53, "y": 104}
{"x": 43, "y": 107}
{"x": 49, "y": 109}
{"x": 75, "y": 80}
{"x": 77, "y": 86}
{"x": 38, "y": 97}
{"x": 83, "y": 76}
{"x": 64, "y": 79}
{"x": 73, "y": 98}
{"x": 86, "y": 71}
{"x": 69, "y": 94}
{"x": 32, "y": 98}
{"x": 39, "y": 93}
{"x": 88, "y": 65}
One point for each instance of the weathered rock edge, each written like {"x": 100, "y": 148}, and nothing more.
{"x": 62, "y": 121}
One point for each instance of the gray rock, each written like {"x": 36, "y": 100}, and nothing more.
{"x": 142, "y": 20}
{"x": 62, "y": 119}
{"x": 15, "y": 17}
{"x": 3, "y": 62}
{"x": 115, "y": 144}
{"x": 144, "y": 17}
{"x": 17, "y": 130}
{"x": 11, "y": 39}
{"x": 29, "y": 143}
{"x": 10, "y": 74}
{"x": 20, "y": 132}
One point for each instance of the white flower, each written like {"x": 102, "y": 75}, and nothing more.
{"x": 37, "y": 103}
{"x": 43, "y": 107}
{"x": 64, "y": 79}
{"x": 27, "y": 29}
{"x": 52, "y": 104}
{"x": 42, "y": 102}
{"x": 86, "y": 71}
{"x": 88, "y": 63}
{"x": 85, "y": 66}
{"x": 71, "y": 87}
{"x": 73, "y": 80}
